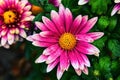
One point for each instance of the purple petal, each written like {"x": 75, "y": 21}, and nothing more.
{"x": 55, "y": 2}
{"x": 115, "y": 9}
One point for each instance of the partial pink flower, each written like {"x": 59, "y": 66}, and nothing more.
{"x": 116, "y": 7}
{"x": 67, "y": 41}
{"x": 82, "y": 2}
{"x": 15, "y": 16}
{"x": 55, "y": 2}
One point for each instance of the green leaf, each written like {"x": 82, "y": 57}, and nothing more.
{"x": 114, "y": 65}
{"x": 99, "y": 6}
{"x": 49, "y": 7}
{"x": 74, "y": 78}
{"x": 38, "y": 17}
{"x": 114, "y": 47}
{"x": 118, "y": 78}
{"x": 112, "y": 24}
{"x": 103, "y": 22}
{"x": 100, "y": 43}
{"x": 104, "y": 64}
{"x": 35, "y": 2}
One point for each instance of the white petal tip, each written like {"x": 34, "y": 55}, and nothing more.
{"x": 82, "y": 2}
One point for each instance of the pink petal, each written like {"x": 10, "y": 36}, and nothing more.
{"x": 41, "y": 26}
{"x": 85, "y": 70}
{"x": 27, "y": 13}
{"x": 4, "y": 32}
{"x": 82, "y": 2}
{"x": 95, "y": 35}
{"x": 42, "y": 44}
{"x": 54, "y": 56}
{"x": 85, "y": 59}
{"x": 27, "y": 8}
{"x": 49, "y": 24}
{"x": 3, "y": 40}
{"x": 64, "y": 61}
{"x": 36, "y": 37}
{"x": 82, "y": 25}
{"x": 80, "y": 60}
{"x": 23, "y": 33}
{"x": 73, "y": 59}
{"x": 51, "y": 49}
{"x": 6, "y": 46}
{"x": 29, "y": 38}
{"x": 10, "y": 38}
{"x": 59, "y": 73}
{"x": 16, "y": 37}
{"x": 87, "y": 48}
{"x": 41, "y": 59}
{"x": 47, "y": 39}
{"x": 52, "y": 65}
{"x": 62, "y": 12}
{"x": 68, "y": 19}
{"x": 76, "y": 23}
{"x": 115, "y": 9}
{"x": 2, "y": 2}
{"x": 48, "y": 34}
{"x": 58, "y": 21}
{"x": 23, "y": 3}
{"x": 89, "y": 25}
{"x": 26, "y": 19}
{"x": 84, "y": 37}
{"x": 78, "y": 71}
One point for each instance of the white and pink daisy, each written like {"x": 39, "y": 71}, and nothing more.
{"x": 55, "y": 2}
{"x": 82, "y": 2}
{"x": 15, "y": 16}
{"x": 116, "y": 7}
{"x": 67, "y": 41}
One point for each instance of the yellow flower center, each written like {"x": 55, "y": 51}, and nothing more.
{"x": 67, "y": 41}
{"x": 9, "y": 17}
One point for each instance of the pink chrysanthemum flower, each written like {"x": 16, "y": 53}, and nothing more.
{"x": 67, "y": 41}
{"x": 116, "y": 7}
{"x": 15, "y": 16}
{"x": 55, "y": 2}
{"x": 82, "y": 2}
